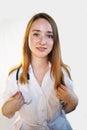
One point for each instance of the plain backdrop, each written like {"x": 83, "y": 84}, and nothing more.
{"x": 71, "y": 18}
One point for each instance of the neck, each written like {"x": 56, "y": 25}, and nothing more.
{"x": 39, "y": 63}
{"x": 40, "y": 66}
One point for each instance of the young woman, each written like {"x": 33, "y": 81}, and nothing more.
{"x": 40, "y": 88}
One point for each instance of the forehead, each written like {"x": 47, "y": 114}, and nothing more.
{"x": 41, "y": 24}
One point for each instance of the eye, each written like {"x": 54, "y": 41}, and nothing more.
{"x": 36, "y": 34}
{"x": 50, "y": 36}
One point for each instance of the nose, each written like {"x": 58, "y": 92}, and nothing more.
{"x": 43, "y": 40}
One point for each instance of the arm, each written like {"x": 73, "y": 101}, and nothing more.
{"x": 69, "y": 98}
{"x": 13, "y": 104}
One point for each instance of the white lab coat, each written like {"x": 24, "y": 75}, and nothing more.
{"x": 44, "y": 107}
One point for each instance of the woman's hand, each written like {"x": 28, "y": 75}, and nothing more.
{"x": 13, "y": 104}
{"x": 68, "y": 96}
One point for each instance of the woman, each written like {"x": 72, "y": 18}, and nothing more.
{"x": 43, "y": 93}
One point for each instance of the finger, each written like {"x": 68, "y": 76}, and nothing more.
{"x": 59, "y": 93}
{"x": 20, "y": 97}
{"x": 59, "y": 96}
{"x": 63, "y": 88}
{"x": 60, "y": 90}
{"x": 21, "y": 101}
{"x": 15, "y": 94}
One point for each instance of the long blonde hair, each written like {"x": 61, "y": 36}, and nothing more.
{"x": 54, "y": 57}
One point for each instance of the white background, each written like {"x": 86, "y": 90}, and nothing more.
{"x": 71, "y": 18}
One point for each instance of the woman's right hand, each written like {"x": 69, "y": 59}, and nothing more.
{"x": 14, "y": 103}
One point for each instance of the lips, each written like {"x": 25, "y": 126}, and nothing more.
{"x": 41, "y": 48}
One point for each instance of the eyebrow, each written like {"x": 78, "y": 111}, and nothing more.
{"x": 36, "y": 30}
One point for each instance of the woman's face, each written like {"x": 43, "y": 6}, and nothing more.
{"x": 40, "y": 38}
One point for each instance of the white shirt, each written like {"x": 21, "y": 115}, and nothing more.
{"x": 44, "y": 106}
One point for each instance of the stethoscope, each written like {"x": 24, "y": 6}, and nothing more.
{"x": 28, "y": 78}
{"x": 28, "y": 102}
{"x": 17, "y": 82}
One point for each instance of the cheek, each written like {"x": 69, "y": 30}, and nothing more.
{"x": 51, "y": 45}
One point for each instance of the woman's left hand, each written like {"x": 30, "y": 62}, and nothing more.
{"x": 68, "y": 96}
